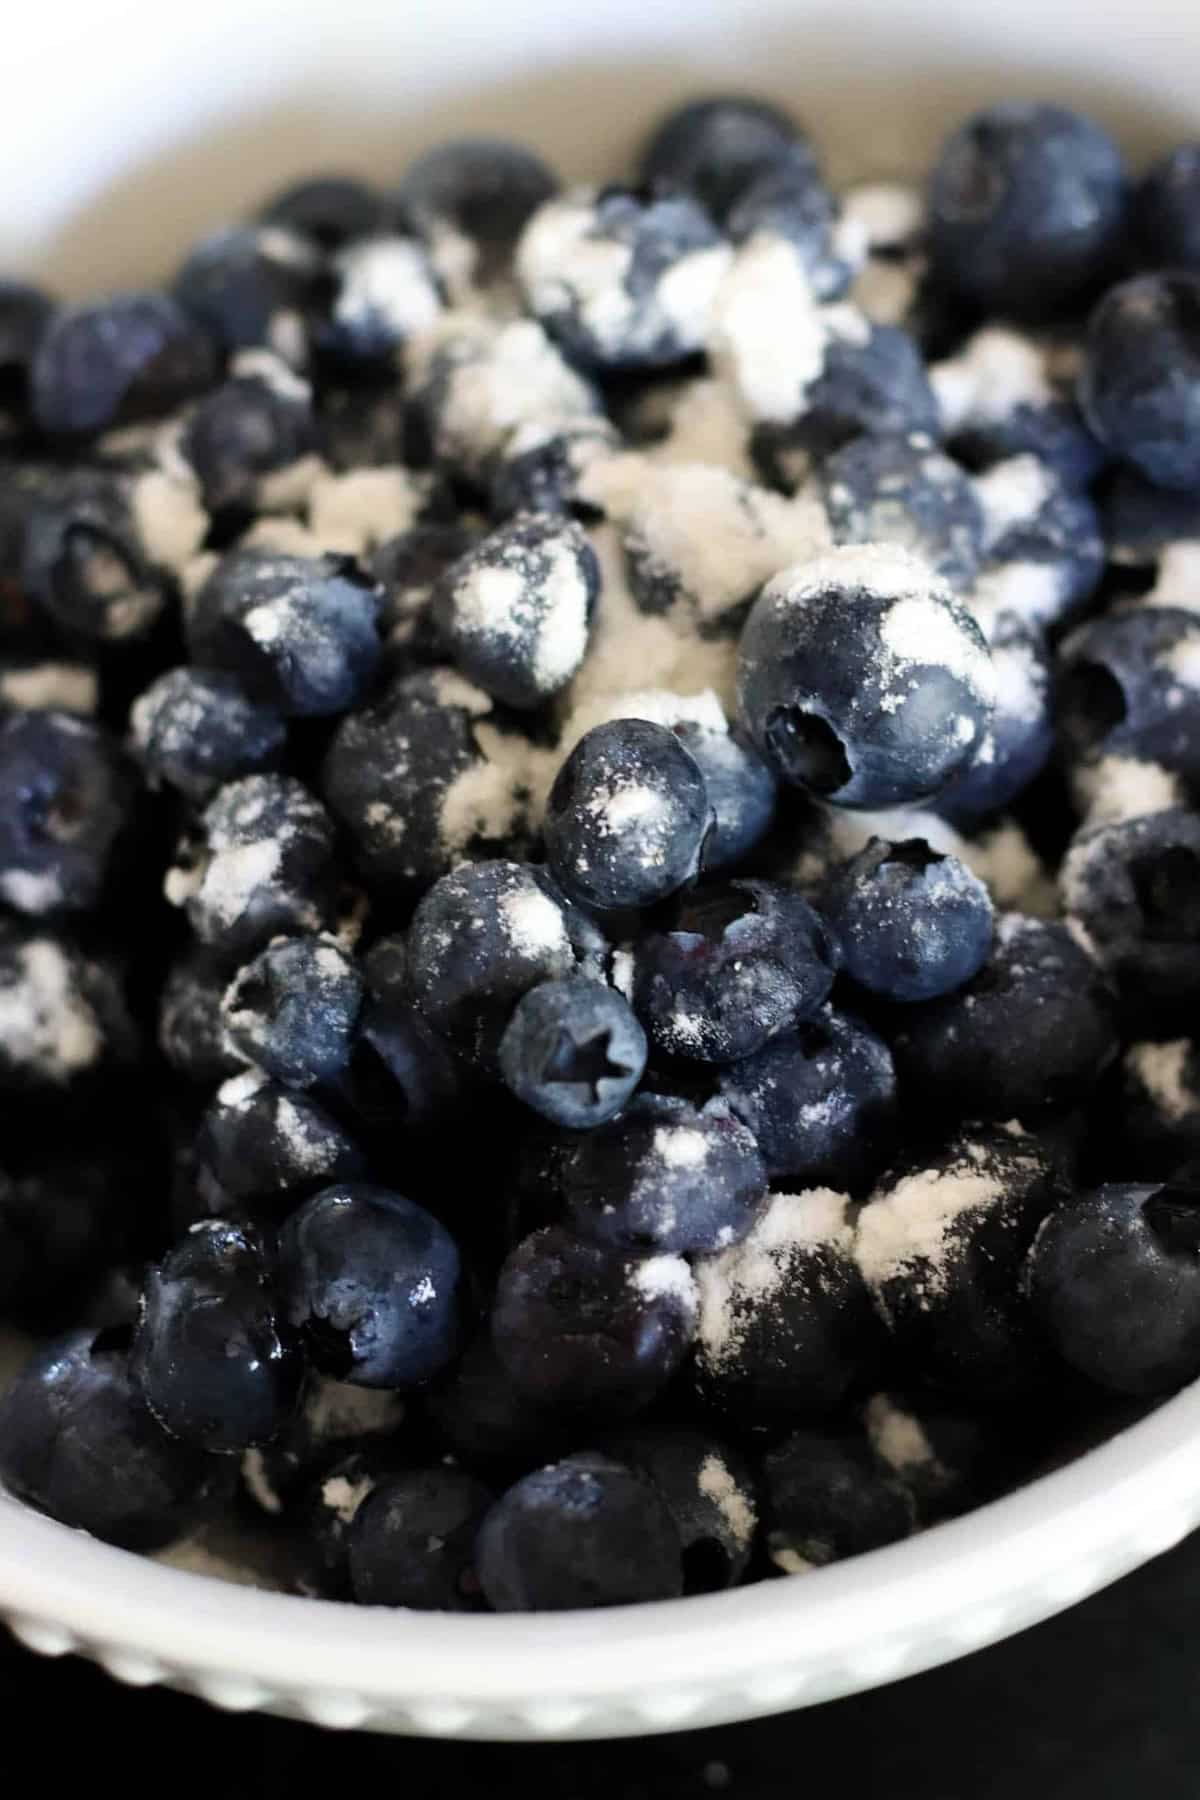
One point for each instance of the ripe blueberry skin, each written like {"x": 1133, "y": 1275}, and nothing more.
{"x": 583, "y": 1532}
{"x": 407, "y": 567}
{"x": 1020, "y": 737}
{"x": 588, "y": 1326}
{"x": 716, "y": 147}
{"x": 1119, "y": 695}
{"x": 412, "y": 1542}
{"x": 742, "y": 791}
{"x": 372, "y": 1285}
{"x": 664, "y": 1176}
{"x": 191, "y": 1031}
{"x": 251, "y": 288}
{"x": 116, "y": 362}
{"x": 1026, "y": 209}
{"x": 627, "y": 817}
{"x": 895, "y": 490}
{"x": 329, "y": 210}
{"x": 217, "y": 1364}
{"x": 241, "y": 432}
{"x": 67, "y": 801}
{"x": 912, "y": 924}
{"x": 299, "y": 632}
{"x": 293, "y": 1010}
{"x": 1164, "y": 216}
{"x": 1140, "y": 520}
{"x": 82, "y": 559}
{"x": 789, "y": 198}
{"x": 573, "y": 1051}
{"x": 196, "y": 729}
{"x": 710, "y": 1492}
{"x": 486, "y": 189}
{"x": 488, "y": 1422}
{"x": 1114, "y": 1277}
{"x": 78, "y": 1442}
{"x": 1139, "y": 384}
{"x": 1063, "y": 536}
{"x": 825, "y": 1498}
{"x": 266, "y": 1146}
{"x": 401, "y": 1075}
{"x": 539, "y": 469}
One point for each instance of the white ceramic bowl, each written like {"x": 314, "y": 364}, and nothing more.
{"x": 134, "y": 125}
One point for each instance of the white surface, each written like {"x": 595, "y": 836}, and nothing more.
{"x": 134, "y": 127}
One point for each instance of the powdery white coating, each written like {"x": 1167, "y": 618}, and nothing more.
{"x": 624, "y": 967}
{"x": 735, "y": 1284}
{"x": 908, "y": 1231}
{"x": 386, "y": 283}
{"x": 355, "y": 512}
{"x": 52, "y": 686}
{"x": 666, "y": 1277}
{"x": 705, "y": 424}
{"x": 735, "y": 1506}
{"x": 1012, "y": 492}
{"x": 657, "y": 705}
{"x": 30, "y": 892}
{"x": 1178, "y": 580}
{"x": 274, "y": 371}
{"x": 791, "y": 1562}
{"x": 997, "y": 370}
{"x": 888, "y": 215}
{"x": 499, "y": 602}
{"x": 1002, "y": 857}
{"x": 492, "y": 797}
{"x": 1162, "y": 1071}
{"x": 343, "y": 1497}
{"x": 287, "y": 490}
{"x": 258, "y": 1482}
{"x": 195, "y": 1557}
{"x": 452, "y": 689}
{"x": 307, "y": 1149}
{"x": 768, "y": 336}
{"x": 1121, "y": 787}
{"x": 534, "y": 924}
{"x": 169, "y": 517}
{"x": 1034, "y": 591}
{"x": 922, "y": 629}
{"x": 239, "y": 1090}
{"x": 232, "y": 877}
{"x": 1183, "y": 660}
{"x": 45, "y": 1022}
{"x": 897, "y": 1437}
{"x": 681, "y": 1147}
{"x": 337, "y": 1409}
{"x": 281, "y": 536}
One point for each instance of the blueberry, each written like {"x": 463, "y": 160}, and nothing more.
{"x": 912, "y": 923}
{"x": 742, "y": 791}
{"x": 115, "y": 362}
{"x": 1005, "y": 393}
{"x": 407, "y": 568}
{"x": 901, "y": 491}
{"x": 716, "y": 147}
{"x": 329, "y": 210}
{"x": 588, "y": 1326}
{"x": 78, "y": 1442}
{"x": 266, "y": 1146}
{"x": 372, "y": 1285}
{"x": 68, "y": 800}
{"x": 1045, "y": 547}
{"x": 1160, "y": 1106}
{"x": 627, "y": 817}
{"x": 825, "y": 1498}
{"x": 622, "y": 278}
{"x": 327, "y": 1512}
{"x": 1026, "y": 209}
{"x": 665, "y": 1176}
{"x": 25, "y": 313}
{"x": 947, "y": 1457}
{"x": 486, "y": 1419}
{"x": 1141, "y": 521}
{"x": 710, "y": 1491}
{"x": 191, "y": 1030}
{"x": 514, "y": 611}
{"x": 85, "y": 560}
{"x": 62, "y": 1215}
{"x": 196, "y": 730}
{"x": 584, "y": 1532}
{"x": 293, "y": 1010}
{"x": 64, "y": 1019}
{"x": 385, "y": 292}
{"x": 573, "y": 1051}
{"x": 243, "y": 432}
{"x": 1164, "y": 215}
{"x": 1020, "y": 737}
{"x": 483, "y": 190}
{"x": 861, "y": 678}
{"x": 1134, "y": 886}
{"x": 941, "y": 1247}
{"x": 331, "y": 1421}
{"x": 820, "y": 1101}
{"x": 542, "y": 466}
{"x": 1126, "y": 688}
{"x": 262, "y": 865}
{"x": 785, "y": 1324}
{"x": 1139, "y": 385}
{"x": 788, "y": 198}
{"x": 251, "y": 288}
{"x": 401, "y": 1074}
{"x": 217, "y": 1365}
{"x": 412, "y": 1542}
{"x": 1114, "y": 1278}
{"x": 299, "y": 632}
{"x": 1031, "y": 1032}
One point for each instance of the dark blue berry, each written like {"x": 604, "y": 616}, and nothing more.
{"x": 266, "y": 1146}
{"x": 412, "y": 1542}
{"x": 1164, "y": 215}
{"x": 197, "y": 729}
{"x": 384, "y": 292}
{"x": 1020, "y": 737}
{"x": 711, "y": 1494}
{"x": 572, "y": 1051}
{"x": 1125, "y": 688}
{"x": 408, "y": 568}
{"x": 584, "y": 1532}
{"x": 191, "y": 1030}
{"x": 911, "y": 922}
{"x": 25, "y": 313}
{"x": 825, "y": 1498}
{"x": 788, "y": 198}
{"x": 372, "y": 1285}
{"x": 1139, "y": 385}
{"x": 541, "y": 467}
{"x": 484, "y": 1418}
{"x": 328, "y": 1509}
{"x": 742, "y": 791}
{"x": 242, "y": 432}
{"x": 716, "y": 147}
{"x": 1044, "y": 558}
{"x": 83, "y": 559}
{"x": 293, "y": 1010}
{"x": 483, "y": 189}
{"x": 1026, "y": 209}
{"x": 251, "y": 288}
{"x": 901, "y": 491}
{"x": 67, "y": 799}
{"x": 401, "y": 1074}
{"x": 115, "y": 362}
{"x": 1141, "y": 521}
{"x": 330, "y": 210}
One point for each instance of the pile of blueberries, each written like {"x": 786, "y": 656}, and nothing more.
{"x": 599, "y": 861}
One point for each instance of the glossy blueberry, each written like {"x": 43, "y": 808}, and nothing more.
{"x": 1026, "y": 209}
{"x": 717, "y": 146}
{"x": 191, "y": 1030}
{"x": 244, "y": 431}
{"x": 78, "y": 1442}
{"x": 573, "y": 1051}
{"x": 665, "y": 1176}
{"x": 710, "y": 1491}
{"x": 587, "y": 1531}
{"x": 820, "y": 1101}
{"x": 1125, "y": 689}
{"x": 215, "y": 1360}
{"x": 1139, "y": 384}
{"x": 372, "y": 1285}
{"x": 785, "y": 1323}
{"x": 408, "y": 568}
{"x": 84, "y": 560}
{"x": 260, "y": 865}
{"x": 1031, "y": 1032}
{"x": 385, "y": 292}
{"x": 293, "y": 1010}
{"x": 266, "y": 1146}
{"x": 1164, "y": 215}
{"x": 825, "y": 1498}
{"x": 251, "y": 288}
{"x": 25, "y": 313}
{"x": 66, "y": 1026}
{"x": 1020, "y": 736}
{"x": 196, "y": 729}
{"x": 627, "y": 817}
{"x": 861, "y": 678}
{"x": 482, "y": 189}
{"x": 912, "y": 923}
{"x": 67, "y": 799}
{"x": 63, "y": 1213}
{"x": 542, "y": 466}
{"x": 788, "y": 198}
{"x": 742, "y": 791}
{"x": 622, "y": 278}
{"x": 1160, "y": 1106}
{"x": 115, "y": 362}
{"x": 330, "y": 210}
{"x": 401, "y": 1074}
{"x": 485, "y": 1419}
{"x": 412, "y": 1542}
{"x": 1114, "y": 1278}
{"x": 588, "y": 1326}
{"x": 897, "y": 491}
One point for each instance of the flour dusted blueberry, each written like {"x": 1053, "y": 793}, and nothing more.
{"x": 820, "y": 1101}
{"x": 327, "y": 1509}
{"x": 243, "y": 433}
{"x": 116, "y": 362}
{"x": 1134, "y": 887}
{"x": 293, "y": 1010}
{"x": 65, "y": 1025}
{"x": 1020, "y": 737}
{"x": 1129, "y": 685}
{"x": 1160, "y": 1106}
{"x": 665, "y": 1176}
{"x": 78, "y": 1442}
{"x": 862, "y": 679}
{"x": 514, "y": 611}
{"x": 1026, "y": 209}
{"x": 264, "y": 1146}
{"x": 372, "y": 1284}
{"x": 261, "y": 864}
{"x": 331, "y": 1420}
{"x": 191, "y": 1030}
{"x": 300, "y": 633}
{"x": 384, "y": 293}
{"x": 197, "y": 729}
{"x": 412, "y": 1541}
{"x": 217, "y": 1365}
{"x": 1031, "y": 1032}
{"x": 623, "y": 278}
{"x": 627, "y": 816}
{"x": 825, "y": 1498}
{"x": 543, "y": 465}
{"x": 252, "y": 287}
{"x": 587, "y": 1531}
{"x": 84, "y": 559}
{"x": 912, "y": 923}
{"x": 738, "y": 964}
{"x": 941, "y": 1452}
{"x": 573, "y": 1051}
{"x": 330, "y": 210}
{"x": 785, "y": 1323}
{"x": 1007, "y": 393}
{"x": 899, "y": 491}
{"x": 469, "y": 199}
{"x": 588, "y": 1326}
{"x": 1164, "y": 215}
{"x": 68, "y": 802}
{"x": 717, "y": 146}
{"x": 1139, "y": 385}
{"x": 710, "y": 1491}
{"x": 790, "y": 200}
{"x": 1045, "y": 551}
{"x": 742, "y": 791}
{"x": 407, "y": 568}
{"x": 1113, "y": 1276}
